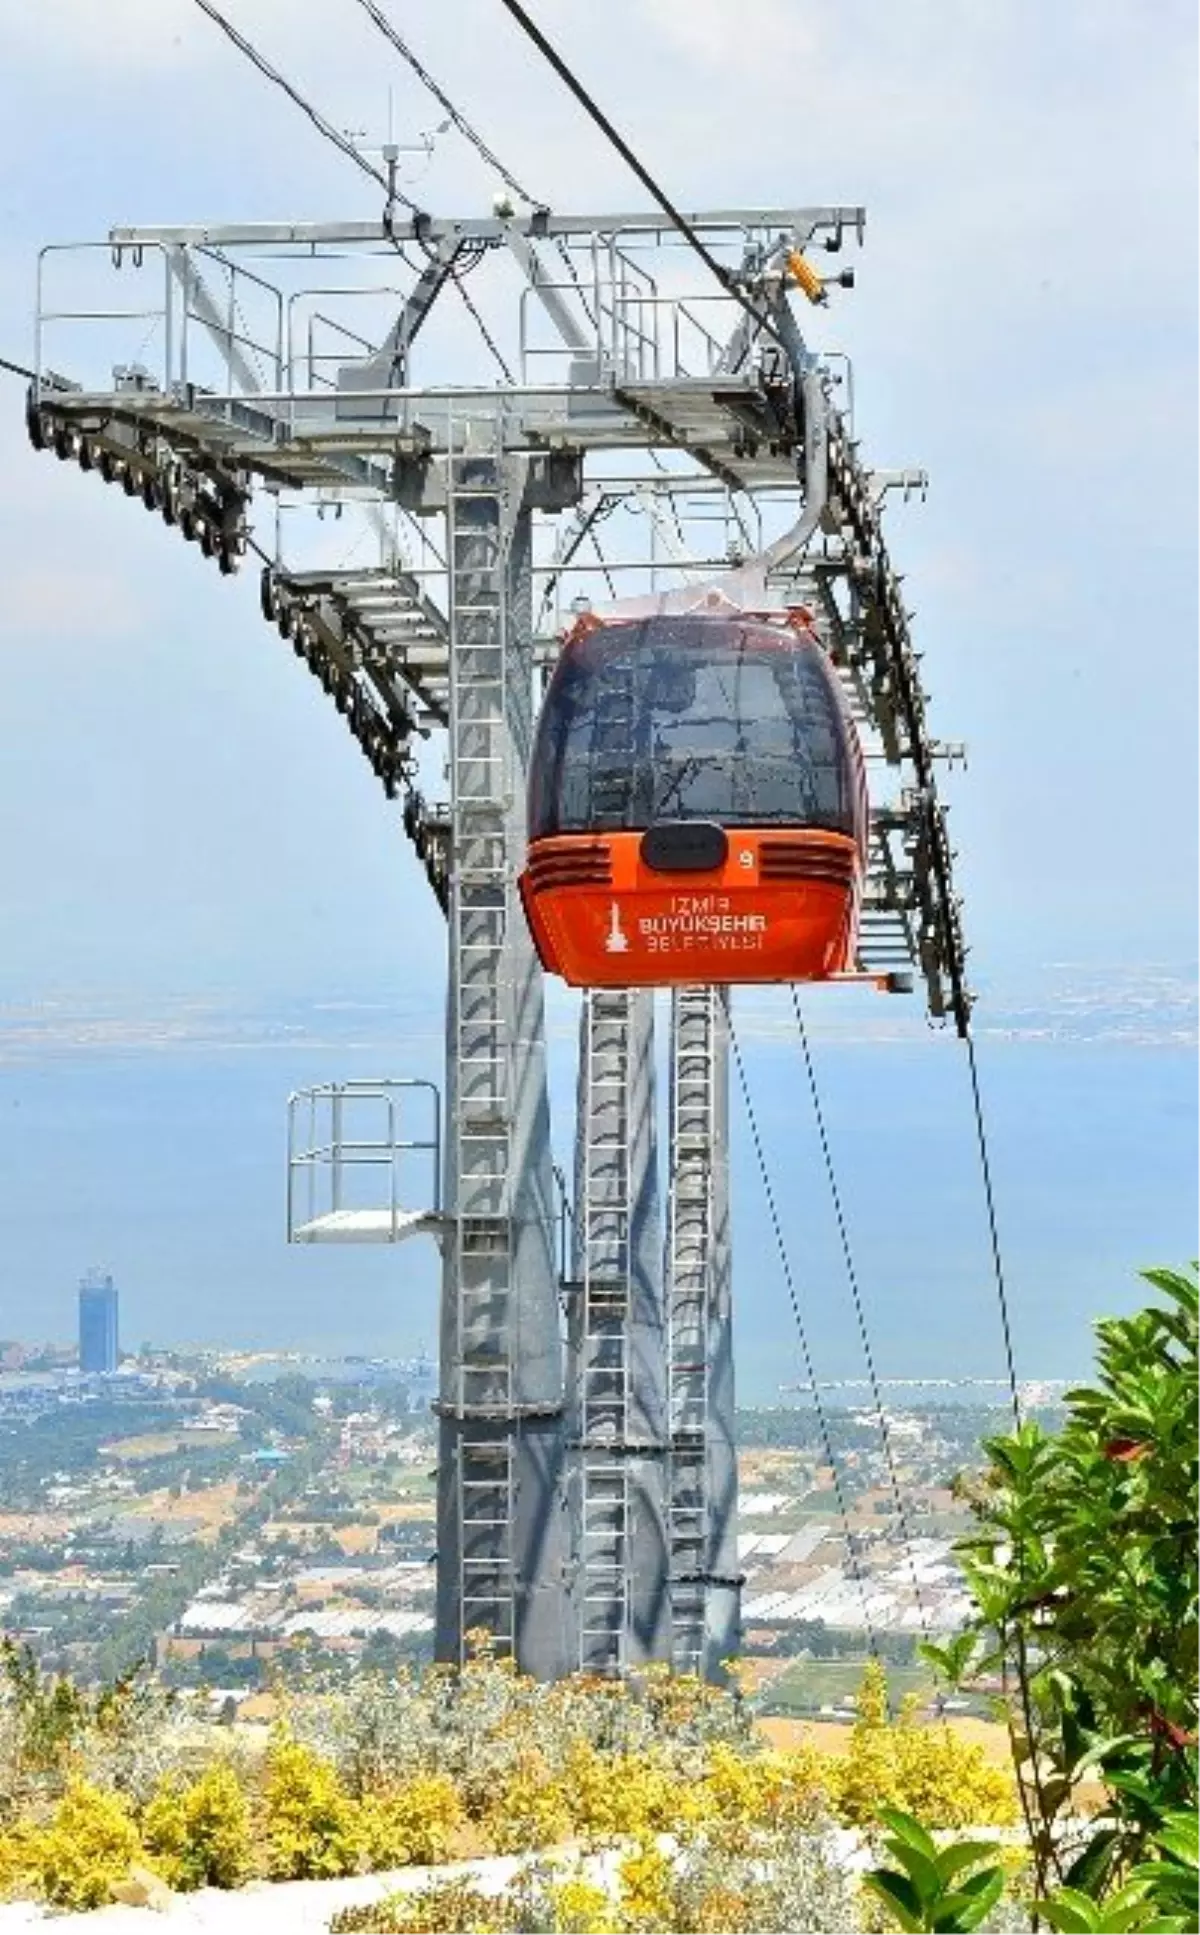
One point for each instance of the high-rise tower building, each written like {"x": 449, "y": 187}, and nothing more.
{"x": 98, "y": 1348}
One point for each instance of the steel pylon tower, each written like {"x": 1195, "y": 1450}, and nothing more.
{"x": 618, "y": 1430}
{"x": 587, "y": 1476}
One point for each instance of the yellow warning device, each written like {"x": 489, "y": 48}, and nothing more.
{"x": 806, "y": 277}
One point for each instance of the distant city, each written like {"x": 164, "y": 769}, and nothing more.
{"x": 97, "y": 1353}
{"x": 237, "y": 1517}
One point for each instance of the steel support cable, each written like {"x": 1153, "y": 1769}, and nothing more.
{"x": 806, "y": 1356}
{"x": 385, "y": 27}
{"x": 679, "y": 221}
{"x": 324, "y": 127}
{"x": 960, "y": 999}
{"x": 318, "y": 120}
{"x": 346, "y": 147}
{"x": 483, "y": 329}
{"x": 993, "y": 1231}
{"x": 1045, "y": 1813}
{"x": 960, "y": 1005}
{"x": 486, "y": 154}
{"x": 352, "y": 153}
{"x": 835, "y": 1196}
{"x": 469, "y": 133}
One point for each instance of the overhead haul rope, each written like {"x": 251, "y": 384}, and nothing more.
{"x": 380, "y": 20}
{"x": 961, "y": 1009}
{"x": 806, "y": 1356}
{"x": 835, "y": 1194}
{"x": 346, "y": 147}
{"x": 384, "y": 26}
{"x": 679, "y": 221}
{"x": 325, "y": 127}
{"x": 960, "y": 999}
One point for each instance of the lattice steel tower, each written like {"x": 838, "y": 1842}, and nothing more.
{"x": 587, "y": 1478}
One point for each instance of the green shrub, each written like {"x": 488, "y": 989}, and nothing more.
{"x": 198, "y": 1832}
{"x": 952, "y": 1888}
{"x": 1084, "y": 1575}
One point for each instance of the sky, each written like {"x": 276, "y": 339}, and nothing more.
{"x": 184, "y": 818}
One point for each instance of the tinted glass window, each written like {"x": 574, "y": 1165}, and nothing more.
{"x": 686, "y": 719}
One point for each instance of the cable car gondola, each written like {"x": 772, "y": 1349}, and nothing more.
{"x": 697, "y": 806}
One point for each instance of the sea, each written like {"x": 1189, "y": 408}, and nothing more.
{"x": 150, "y": 1140}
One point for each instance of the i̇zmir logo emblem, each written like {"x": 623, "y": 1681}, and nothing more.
{"x": 616, "y": 940}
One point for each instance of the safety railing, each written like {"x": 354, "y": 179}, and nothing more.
{"x": 126, "y": 344}
{"x": 309, "y": 330}
{"x": 250, "y": 358}
{"x": 205, "y": 320}
{"x": 632, "y": 338}
{"x": 339, "y": 1136}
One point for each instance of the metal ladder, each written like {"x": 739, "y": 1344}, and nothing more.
{"x": 480, "y": 1130}
{"x": 689, "y": 1275}
{"x": 604, "y": 1221}
{"x": 485, "y": 1513}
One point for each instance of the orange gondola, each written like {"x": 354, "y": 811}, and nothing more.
{"x": 697, "y": 806}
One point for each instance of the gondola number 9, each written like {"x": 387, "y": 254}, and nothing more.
{"x": 745, "y": 858}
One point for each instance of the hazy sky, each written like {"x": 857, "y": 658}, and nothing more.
{"x": 182, "y": 808}
{"x": 183, "y": 815}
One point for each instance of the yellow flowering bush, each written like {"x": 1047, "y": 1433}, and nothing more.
{"x": 419, "y": 1822}
{"x": 580, "y": 1907}
{"x": 928, "y": 1771}
{"x": 90, "y": 1844}
{"x": 198, "y": 1832}
{"x": 443, "y": 1765}
{"x": 528, "y": 1808}
{"x": 949, "y": 1782}
{"x": 312, "y": 1827}
{"x": 657, "y": 1890}
{"x": 20, "y": 1858}
{"x": 445, "y": 1908}
{"x": 739, "y": 1792}
{"x": 647, "y": 1889}
{"x": 609, "y": 1795}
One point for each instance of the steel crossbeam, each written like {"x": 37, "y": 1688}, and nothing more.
{"x": 711, "y": 225}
